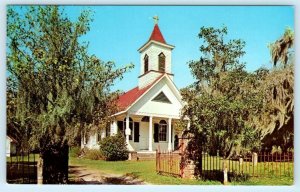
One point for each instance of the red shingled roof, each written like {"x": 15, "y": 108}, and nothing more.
{"x": 157, "y": 35}
{"x": 128, "y": 98}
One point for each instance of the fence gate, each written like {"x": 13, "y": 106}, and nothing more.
{"x": 22, "y": 168}
{"x": 168, "y": 163}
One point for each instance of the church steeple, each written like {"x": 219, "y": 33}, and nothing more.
{"x": 156, "y": 35}
{"x": 155, "y": 57}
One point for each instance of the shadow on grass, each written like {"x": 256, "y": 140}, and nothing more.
{"x": 127, "y": 179}
{"x": 218, "y": 175}
{"x": 77, "y": 177}
{"x": 21, "y": 173}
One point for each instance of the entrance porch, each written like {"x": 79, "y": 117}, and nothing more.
{"x": 145, "y": 134}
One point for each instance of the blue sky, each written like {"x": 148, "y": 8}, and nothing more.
{"x": 118, "y": 31}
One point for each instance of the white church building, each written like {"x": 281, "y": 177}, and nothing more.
{"x": 149, "y": 112}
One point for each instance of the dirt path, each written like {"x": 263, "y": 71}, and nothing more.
{"x": 83, "y": 175}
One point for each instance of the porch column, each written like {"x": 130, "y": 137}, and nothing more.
{"x": 150, "y": 133}
{"x": 169, "y": 134}
{"x": 113, "y": 128}
{"x": 127, "y": 130}
{"x": 115, "y": 125}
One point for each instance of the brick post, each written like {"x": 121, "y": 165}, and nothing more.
{"x": 188, "y": 170}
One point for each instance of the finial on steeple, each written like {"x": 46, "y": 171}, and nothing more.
{"x": 155, "y": 19}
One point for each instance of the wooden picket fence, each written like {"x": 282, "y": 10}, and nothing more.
{"x": 168, "y": 163}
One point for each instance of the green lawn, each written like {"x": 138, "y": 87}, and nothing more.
{"x": 145, "y": 170}
{"x": 32, "y": 158}
{"x": 270, "y": 169}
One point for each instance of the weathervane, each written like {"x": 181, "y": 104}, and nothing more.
{"x": 155, "y": 18}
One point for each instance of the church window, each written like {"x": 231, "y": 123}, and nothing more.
{"x": 145, "y": 119}
{"x": 162, "y": 135}
{"x": 146, "y": 63}
{"x": 161, "y": 62}
{"x": 161, "y": 97}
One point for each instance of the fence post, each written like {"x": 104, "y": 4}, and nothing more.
{"x": 156, "y": 160}
{"x": 241, "y": 161}
{"x": 40, "y": 171}
{"x": 254, "y": 159}
{"x": 225, "y": 171}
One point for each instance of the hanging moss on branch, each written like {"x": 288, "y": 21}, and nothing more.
{"x": 56, "y": 90}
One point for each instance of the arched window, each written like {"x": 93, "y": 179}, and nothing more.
{"x": 146, "y": 63}
{"x": 145, "y": 119}
{"x": 130, "y": 126}
{"x": 162, "y": 133}
{"x": 161, "y": 62}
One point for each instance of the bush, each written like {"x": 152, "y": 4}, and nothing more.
{"x": 113, "y": 148}
{"x": 93, "y": 154}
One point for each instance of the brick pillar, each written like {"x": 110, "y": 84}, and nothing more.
{"x": 188, "y": 170}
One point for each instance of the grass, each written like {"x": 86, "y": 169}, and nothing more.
{"x": 270, "y": 169}
{"x": 145, "y": 170}
{"x": 267, "y": 181}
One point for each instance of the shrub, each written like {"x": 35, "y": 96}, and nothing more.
{"x": 93, "y": 154}
{"x": 113, "y": 148}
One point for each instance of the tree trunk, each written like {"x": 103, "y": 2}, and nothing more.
{"x": 55, "y": 165}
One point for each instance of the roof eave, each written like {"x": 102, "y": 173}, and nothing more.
{"x": 143, "y": 47}
{"x": 128, "y": 107}
{"x": 119, "y": 113}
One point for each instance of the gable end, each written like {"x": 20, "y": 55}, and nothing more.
{"x": 161, "y": 97}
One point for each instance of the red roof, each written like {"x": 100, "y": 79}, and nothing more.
{"x": 156, "y": 35}
{"x": 128, "y": 98}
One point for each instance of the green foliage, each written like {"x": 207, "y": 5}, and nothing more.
{"x": 93, "y": 154}
{"x": 145, "y": 170}
{"x": 55, "y": 88}
{"x": 217, "y": 54}
{"x": 282, "y": 48}
{"x": 276, "y": 117}
{"x": 114, "y": 148}
{"x": 221, "y": 101}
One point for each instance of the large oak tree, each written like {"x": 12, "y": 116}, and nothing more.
{"x": 55, "y": 89}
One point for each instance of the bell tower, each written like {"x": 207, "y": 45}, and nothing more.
{"x": 155, "y": 57}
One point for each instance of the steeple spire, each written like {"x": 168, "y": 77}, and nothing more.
{"x": 155, "y": 57}
{"x": 156, "y": 34}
